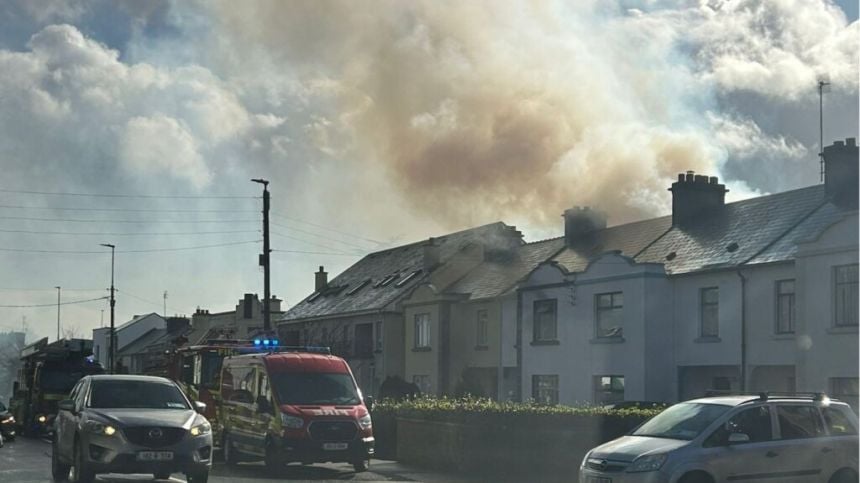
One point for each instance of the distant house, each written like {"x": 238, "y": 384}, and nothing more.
{"x": 243, "y": 322}
{"x": 147, "y": 354}
{"x": 360, "y": 313}
{"x": 125, "y": 334}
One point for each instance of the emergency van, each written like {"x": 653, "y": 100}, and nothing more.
{"x": 293, "y": 407}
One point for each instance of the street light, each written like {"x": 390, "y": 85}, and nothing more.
{"x": 112, "y": 343}
{"x": 58, "y": 312}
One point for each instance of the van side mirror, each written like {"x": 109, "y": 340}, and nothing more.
{"x": 200, "y": 407}
{"x": 368, "y": 402}
{"x": 735, "y": 438}
{"x": 66, "y": 405}
{"x": 263, "y": 405}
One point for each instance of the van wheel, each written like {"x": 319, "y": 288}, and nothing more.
{"x": 361, "y": 466}
{"x": 696, "y": 477}
{"x": 59, "y": 471}
{"x": 201, "y": 477}
{"x": 229, "y": 452}
{"x": 844, "y": 475}
{"x": 162, "y": 475}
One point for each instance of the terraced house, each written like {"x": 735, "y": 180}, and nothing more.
{"x": 759, "y": 294}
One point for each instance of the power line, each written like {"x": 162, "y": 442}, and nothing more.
{"x": 324, "y": 237}
{"x": 13, "y": 289}
{"x": 159, "y": 304}
{"x": 77, "y": 220}
{"x": 317, "y": 253}
{"x": 52, "y": 305}
{"x": 151, "y": 250}
{"x": 130, "y": 210}
{"x": 140, "y": 233}
{"x": 353, "y": 235}
{"x": 106, "y": 195}
{"x": 309, "y": 242}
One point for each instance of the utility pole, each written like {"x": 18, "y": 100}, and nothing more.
{"x": 58, "y": 312}
{"x": 823, "y": 87}
{"x": 264, "y": 258}
{"x": 112, "y": 343}
{"x": 102, "y": 319}
{"x": 164, "y": 312}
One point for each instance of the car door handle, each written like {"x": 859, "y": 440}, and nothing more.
{"x": 771, "y": 454}
{"x": 826, "y": 450}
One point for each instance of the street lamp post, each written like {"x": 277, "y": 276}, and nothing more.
{"x": 112, "y": 343}
{"x": 58, "y": 312}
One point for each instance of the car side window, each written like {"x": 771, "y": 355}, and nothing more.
{"x": 753, "y": 422}
{"x": 837, "y": 422}
{"x": 797, "y": 422}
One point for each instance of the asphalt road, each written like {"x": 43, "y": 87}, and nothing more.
{"x": 29, "y": 461}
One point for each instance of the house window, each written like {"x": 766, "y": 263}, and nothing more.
{"x": 785, "y": 307}
{"x": 379, "y": 344}
{"x": 364, "y": 340}
{"x": 709, "y": 299}
{"x": 423, "y": 383}
{"x": 608, "y": 389}
{"x": 845, "y": 290}
{"x": 545, "y": 389}
{"x": 422, "y": 331}
{"x": 609, "y": 315}
{"x": 545, "y": 320}
{"x": 481, "y": 329}
{"x": 845, "y": 389}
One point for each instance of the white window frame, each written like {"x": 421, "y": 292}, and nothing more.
{"x": 482, "y": 328}
{"x": 422, "y": 331}
{"x": 702, "y": 306}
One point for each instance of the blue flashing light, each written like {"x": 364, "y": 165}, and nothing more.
{"x": 256, "y": 341}
{"x": 275, "y": 342}
{"x": 266, "y": 341}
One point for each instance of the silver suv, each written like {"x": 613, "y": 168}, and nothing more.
{"x": 130, "y": 424}
{"x": 734, "y": 438}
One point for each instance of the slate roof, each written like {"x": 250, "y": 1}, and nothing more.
{"x": 496, "y": 276}
{"x": 756, "y": 226}
{"x": 629, "y": 239}
{"x": 139, "y": 345}
{"x": 134, "y": 320}
{"x": 375, "y": 267}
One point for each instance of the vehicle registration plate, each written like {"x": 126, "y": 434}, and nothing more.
{"x": 598, "y": 479}
{"x": 155, "y": 456}
{"x": 334, "y": 446}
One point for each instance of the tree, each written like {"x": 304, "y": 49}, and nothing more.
{"x": 71, "y": 332}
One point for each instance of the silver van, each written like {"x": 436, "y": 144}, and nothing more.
{"x": 775, "y": 439}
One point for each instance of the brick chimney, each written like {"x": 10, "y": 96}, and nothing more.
{"x": 320, "y": 280}
{"x": 274, "y": 304}
{"x": 431, "y": 253}
{"x": 841, "y": 173}
{"x": 695, "y": 196}
{"x": 581, "y": 222}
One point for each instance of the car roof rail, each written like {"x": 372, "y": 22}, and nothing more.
{"x": 766, "y": 395}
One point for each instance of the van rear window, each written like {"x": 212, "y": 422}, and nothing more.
{"x": 315, "y": 388}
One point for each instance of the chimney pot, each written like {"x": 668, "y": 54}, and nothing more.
{"x": 851, "y": 142}
{"x": 681, "y": 177}
{"x": 695, "y": 196}
{"x": 839, "y": 143}
{"x": 320, "y": 280}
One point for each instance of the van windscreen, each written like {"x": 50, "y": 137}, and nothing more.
{"x": 317, "y": 388}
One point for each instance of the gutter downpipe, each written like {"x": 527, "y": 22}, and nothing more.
{"x": 518, "y": 396}
{"x": 743, "y": 330}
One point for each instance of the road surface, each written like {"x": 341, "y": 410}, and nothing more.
{"x": 29, "y": 461}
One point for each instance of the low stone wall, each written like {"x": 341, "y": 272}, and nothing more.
{"x": 513, "y": 444}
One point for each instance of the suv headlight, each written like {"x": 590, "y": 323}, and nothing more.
{"x": 292, "y": 422}
{"x": 9, "y": 420}
{"x": 96, "y": 427}
{"x": 365, "y": 422}
{"x": 651, "y": 462}
{"x": 582, "y": 465}
{"x": 201, "y": 429}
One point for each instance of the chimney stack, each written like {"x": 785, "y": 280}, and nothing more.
{"x": 320, "y": 280}
{"x": 581, "y": 222}
{"x": 432, "y": 256}
{"x": 695, "y": 196}
{"x": 841, "y": 173}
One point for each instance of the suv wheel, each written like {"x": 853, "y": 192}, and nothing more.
{"x": 59, "y": 471}
{"x": 81, "y": 473}
{"x": 361, "y": 466}
{"x": 229, "y": 452}
{"x": 696, "y": 477}
{"x": 199, "y": 477}
{"x": 162, "y": 475}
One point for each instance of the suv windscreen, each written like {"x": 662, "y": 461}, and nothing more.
{"x": 682, "y": 421}
{"x": 136, "y": 395}
{"x": 315, "y": 388}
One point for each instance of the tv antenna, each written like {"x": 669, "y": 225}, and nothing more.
{"x": 823, "y": 87}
